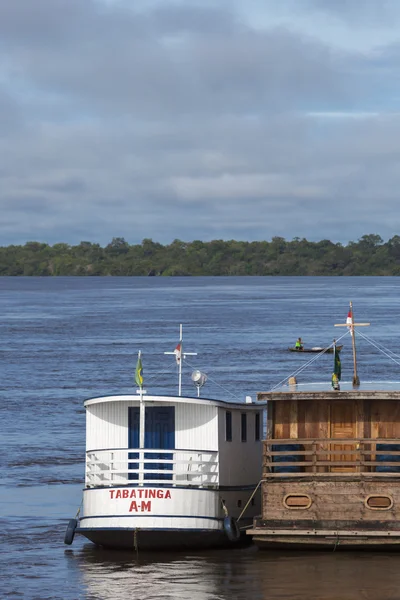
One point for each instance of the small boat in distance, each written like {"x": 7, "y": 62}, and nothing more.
{"x": 170, "y": 472}
{"x": 315, "y": 349}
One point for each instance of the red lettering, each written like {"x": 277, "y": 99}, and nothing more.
{"x": 133, "y": 506}
{"x": 160, "y": 493}
{"x": 145, "y": 506}
{"x": 133, "y": 494}
{"x": 152, "y": 493}
{"x": 112, "y": 493}
{"x": 118, "y": 494}
{"x": 167, "y": 494}
{"x": 125, "y": 493}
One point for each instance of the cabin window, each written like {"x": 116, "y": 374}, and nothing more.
{"x": 228, "y": 426}
{"x": 244, "y": 427}
{"x": 257, "y": 427}
{"x": 297, "y": 501}
{"x": 375, "y": 502}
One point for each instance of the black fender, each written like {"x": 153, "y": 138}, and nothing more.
{"x": 70, "y": 533}
{"x": 231, "y": 529}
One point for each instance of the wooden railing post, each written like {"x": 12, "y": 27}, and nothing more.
{"x": 314, "y": 457}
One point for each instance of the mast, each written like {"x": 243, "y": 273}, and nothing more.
{"x": 356, "y": 379}
{"x": 180, "y": 355}
{"x": 350, "y": 324}
{"x": 180, "y": 362}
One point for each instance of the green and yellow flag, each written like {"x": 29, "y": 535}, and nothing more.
{"x": 139, "y": 371}
{"x": 337, "y": 367}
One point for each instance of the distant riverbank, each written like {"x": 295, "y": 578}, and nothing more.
{"x": 370, "y": 255}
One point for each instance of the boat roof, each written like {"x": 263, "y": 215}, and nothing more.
{"x": 323, "y": 390}
{"x": 173, "y": 399}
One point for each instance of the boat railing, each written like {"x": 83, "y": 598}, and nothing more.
{"x": 194, "y": 468}
{"x": 322, "y": 457}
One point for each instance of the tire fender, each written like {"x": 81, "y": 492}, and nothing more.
{"x": 70, "y": 533}
{"x": 231, "y": 529}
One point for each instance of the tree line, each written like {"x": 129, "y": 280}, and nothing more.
{"x": 370, "y": 255}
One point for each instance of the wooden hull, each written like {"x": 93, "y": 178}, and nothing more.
{"x": 315, "y": 350}
{"x": 314, "y": 539}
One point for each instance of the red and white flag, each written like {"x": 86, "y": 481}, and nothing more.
{"x": 178, "y": 353}
{"x": 349, "y": 321}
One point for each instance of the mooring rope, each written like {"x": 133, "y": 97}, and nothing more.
{"x": 307, "y": 364}
{"x": 250, "y": 499}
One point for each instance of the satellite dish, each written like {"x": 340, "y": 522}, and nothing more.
{"x": 199, "y": 380}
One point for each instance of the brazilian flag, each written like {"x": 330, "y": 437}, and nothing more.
{"x": 337, "y": 365}
{"x": 139, "y": 372}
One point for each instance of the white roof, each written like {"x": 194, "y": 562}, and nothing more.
{"x": 174, "y": 400}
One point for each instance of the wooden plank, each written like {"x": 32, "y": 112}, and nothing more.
{"x": 293, "y": 420}
{"x": 374, "y": 475}
{"x": 325, "y": 532}
{"x": 278, "y": 421}
{"x": 270, "y": 421}
{"x": 380, "y": 395}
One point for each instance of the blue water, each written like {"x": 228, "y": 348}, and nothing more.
{"x": 66, "y": 339}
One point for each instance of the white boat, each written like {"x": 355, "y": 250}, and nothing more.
{"x": 170, "y": 471}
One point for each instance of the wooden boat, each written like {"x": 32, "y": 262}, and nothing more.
{"x": 316, "y": 349}
{"x": 166, "y": 472}
{"x": 331, "y": 468}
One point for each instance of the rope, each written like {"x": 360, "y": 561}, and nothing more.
{"x": 79, "y": 510}
{"x": 224, "y": 508}
{"x": 216, "y": 383}
{"x": 250, "y": 499}
{"x": 388, "y": 353}
{"x": 307, "y": 364}
{"x": 153, "y": 379}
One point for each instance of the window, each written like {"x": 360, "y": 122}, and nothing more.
{"x": 297, "y": 501}
{"x": 257, "y": 427}
{"x": 244, "y": 427}
{"x": 375, "y": 502}
{"x": 228, "y": 426}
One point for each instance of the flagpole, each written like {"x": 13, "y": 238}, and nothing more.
{"x": 180, "y": 363}
{"x": 356, "y": 380}
{"x": 141, "y": 428}
{"x": 351, "y": 326}
{"x": 179, "y": 356}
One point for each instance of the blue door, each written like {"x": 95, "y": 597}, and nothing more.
{"x": 159, "y": 435}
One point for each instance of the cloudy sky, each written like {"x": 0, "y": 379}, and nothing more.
{"x": 199, "y": 119}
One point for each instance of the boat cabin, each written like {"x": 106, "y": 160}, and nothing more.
{"x": 331, "y": 466}
{"x": 186, "y": 441}
{"x": 194, "y": 465}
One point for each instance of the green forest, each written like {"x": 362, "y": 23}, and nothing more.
{"x": 370, "y": 255}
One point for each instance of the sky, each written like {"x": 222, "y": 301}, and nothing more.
{"x": 199, "y": 120}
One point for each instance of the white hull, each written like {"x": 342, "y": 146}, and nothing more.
{"x": 162, "y": 517}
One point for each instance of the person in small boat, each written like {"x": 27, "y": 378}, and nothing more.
{"x": 299, "y": 344}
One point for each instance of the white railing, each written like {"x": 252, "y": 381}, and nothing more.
{"x": 197, "y": 468}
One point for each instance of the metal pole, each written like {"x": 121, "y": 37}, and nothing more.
{"x": 356, "y": 380}
{"x": 141, "y": 432}
{"x": 180, "y": 362}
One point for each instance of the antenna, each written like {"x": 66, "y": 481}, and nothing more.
{"x": 179, "y": 355}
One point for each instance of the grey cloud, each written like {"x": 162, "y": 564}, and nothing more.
{"x": 182, "y": 121}
{"x": 375, "y": 12}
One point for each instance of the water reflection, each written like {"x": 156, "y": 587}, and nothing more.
{"x": 239, "y": 574}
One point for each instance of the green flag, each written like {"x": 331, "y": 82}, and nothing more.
{"x": 337, "y": 367}
{"x": 139, "y": 372}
